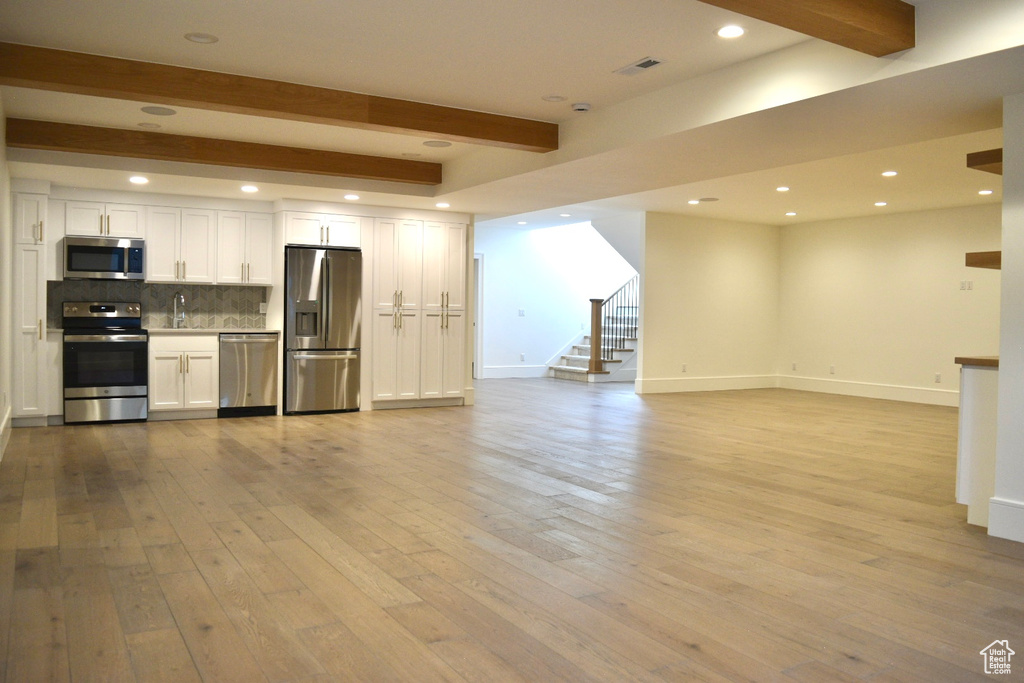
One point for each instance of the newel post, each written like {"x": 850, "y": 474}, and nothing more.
{"x": 596, "y": 364}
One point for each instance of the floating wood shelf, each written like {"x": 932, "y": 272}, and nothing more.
{"x": 985, "y": 259}
{"x": 991, "y": 161}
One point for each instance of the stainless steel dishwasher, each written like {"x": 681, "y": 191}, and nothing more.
{"x": 248, "y": 374}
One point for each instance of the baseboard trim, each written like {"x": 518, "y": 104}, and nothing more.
{"x": 672, "y": 385}
{"x": 1006, "y": 519}
{"x": 419, "y": 403}
{"x": 891, "y": 392}
{"x": 514, "y": 371}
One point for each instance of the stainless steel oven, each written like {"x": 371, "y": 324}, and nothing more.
{"x": 106, "y": 362}
{"x": 103, "y": 258}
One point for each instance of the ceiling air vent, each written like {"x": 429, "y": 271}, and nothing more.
{"x": 638, "y": 66}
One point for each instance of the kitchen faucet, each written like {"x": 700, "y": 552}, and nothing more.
{"x": 179, "y": 310}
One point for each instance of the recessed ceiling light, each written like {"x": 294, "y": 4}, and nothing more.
{"x": 138, "y": 180}
{"x": 250, "y": 188}
{"x": 782, "y": 188}
{"x": 442, "y": 205}
{"x": 203, "y": 38}
{"x": 985, "y": 193}
{"x": 351, "y": 197}
{"x": 890, "y": 174}
{"x": 149, "y": 126}
{"x": 730, "y": 31}
{"x": 791, "y": 213}
{"x": 693, "y": 201}
{"x": 437, "y": 143}
{"x": 159, "y": 111}
{"x": 881, "y": 203}
{"x": 554, "y": 98}
{"x": 520, "y": 222}
{"x": 565, "y": 215}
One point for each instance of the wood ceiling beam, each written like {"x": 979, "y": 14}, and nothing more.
{"x": 74, "y": 72}
{"x": 990, "y": 160}
{"x": 65, "y": 137}
{"x": 876, "y": 27}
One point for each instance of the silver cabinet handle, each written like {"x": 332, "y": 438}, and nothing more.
{"x": 241, "y": 278}
{"x": 181, "y": 365}
{"x": 108, "y": 223}
{"x": 40, "y": 329}
{"x": 328, "y": 235}
{"x": 401, "y": 298}
{"x": 101, "y": 223}
{"x": 187, "y": 368}
{"x": 248, "y": 272}
{"x": 321, "y": 234}
{"x": 183, "y": 275}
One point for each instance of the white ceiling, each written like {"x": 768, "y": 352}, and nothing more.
{"x": 504, "y": 58}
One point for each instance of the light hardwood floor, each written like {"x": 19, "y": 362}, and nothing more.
{"x": 554, "y": 531}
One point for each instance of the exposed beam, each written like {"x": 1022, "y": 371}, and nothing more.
{"x": 65, "y": 137}
{"x": 990, "y": 160}
{"x": 74, "y": 72}
{"x": 876, "y": 27}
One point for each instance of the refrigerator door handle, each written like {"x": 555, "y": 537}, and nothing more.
{"x": 324, "y": 356}
{"x": 328, "y": 298}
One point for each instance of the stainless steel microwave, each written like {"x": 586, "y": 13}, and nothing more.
{"x": 103, "y": 258}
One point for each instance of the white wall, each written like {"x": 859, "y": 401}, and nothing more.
{"x": 879, "y": 298}
{"x": 6, "y": 261}
{"x": 550, "y": 275}
{"x": 625, "y": 233}
{"x": 1006, "y": 509}
{"x": 711, "y": 302}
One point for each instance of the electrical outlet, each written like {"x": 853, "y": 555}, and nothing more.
{"x": 684, "y": 367}
{"x": 970, "y": 285}
{"x": 794, "y": 367}
{"x": 831, "y": 369}
{"x": 522, "y": 313}
{"x": 263, "y": 307}
{"x": 938, "y": 378}
{"x": 522, "y": 356}
{"x": 963, "y": 285}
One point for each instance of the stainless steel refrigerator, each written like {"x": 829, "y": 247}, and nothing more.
{"x": 322, "y": 320}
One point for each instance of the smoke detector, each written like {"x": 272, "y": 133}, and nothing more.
{"x": 638, "y": 66}
{"x": 581, "y": 106}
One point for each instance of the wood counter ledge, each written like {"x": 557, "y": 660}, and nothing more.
{"x": 983, "y": 361}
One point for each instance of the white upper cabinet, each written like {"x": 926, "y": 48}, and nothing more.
{"x": 30, "y": 218}
{"x": 245, "y": 244}
{"x": 181, "y": 245}
{"x": 96, "y": 219}
{"x": 397, "y": 263}
{"x": 321, "y": 229}
{"x": 444, "y": 266}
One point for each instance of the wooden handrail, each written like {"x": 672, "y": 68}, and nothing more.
{"x": 596, "y": 307}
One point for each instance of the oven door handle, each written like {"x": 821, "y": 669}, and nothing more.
{"x": 105, "y": 338}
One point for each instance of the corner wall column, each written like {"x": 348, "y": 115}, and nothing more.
{"x": 1006, "y": 507}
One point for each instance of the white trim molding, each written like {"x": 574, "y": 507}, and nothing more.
{"x": 670, "y": 385}
{"x": 1006, "y": 519}
{"x": 891, "y": 392}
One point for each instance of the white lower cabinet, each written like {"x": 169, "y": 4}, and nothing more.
{"x": 441, "y": 370}
{"x": 396, "y": 355}
{"x": 184, "y": 371}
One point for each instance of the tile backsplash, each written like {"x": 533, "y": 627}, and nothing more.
{"x": 206, "y": 306}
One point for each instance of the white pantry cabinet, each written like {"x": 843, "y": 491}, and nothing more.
{"x": 245, "y": 246}
{"x": 444, "y": 266}
{"x": 29, "y": 397}
{"x": 397, "y": 263}
{"x": 183, "y": 371}
{"x": 441, "y": 367}
{"x": 396, "y": 355}
{"x": 181, "y": 245}
{"x": 97, "y": 219}
{"x": 321, "y": 229}
{"x": 30, "y": 218}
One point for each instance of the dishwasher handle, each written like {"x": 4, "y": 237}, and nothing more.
{"x": 248, "y": 338}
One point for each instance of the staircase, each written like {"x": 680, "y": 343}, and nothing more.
{"x": 575, "y": 365}
{"x": 615, "y": 320}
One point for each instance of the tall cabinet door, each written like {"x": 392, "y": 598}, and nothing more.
{"x": 432, "y": 352}
{"x": 163, "y": 258}
{"x": 410, "y": 263}
{"x": 259, "y": 248}
{"x": 29, "y": 365}
{"x": 434, "y": 275}
{"x": 455, "y": 266}
{"x": 29, "y": 218}
{"x": 385, "y": 348}
{"x": 198, "y": 245}
{"x": 453, "y": 373}
{"x": 408, "y": 354}
{"x": 230, "y": 247}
